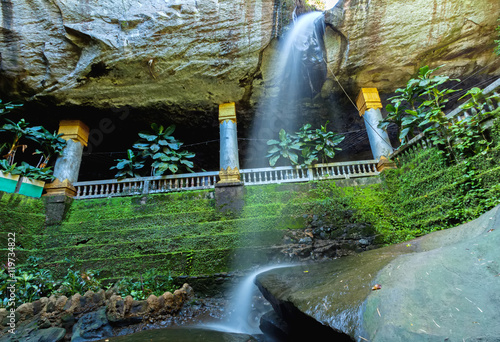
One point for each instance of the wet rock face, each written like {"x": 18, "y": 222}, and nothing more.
{"x": 130, "y": 52}
{"x": 180, "y": 57}
{"x": 382, "y": 44}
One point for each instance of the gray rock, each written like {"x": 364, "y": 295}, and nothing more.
{"x": 442, "y": 286}
{"x": 93, "y": 325}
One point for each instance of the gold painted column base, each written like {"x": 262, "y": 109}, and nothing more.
{"x": 384, "y": 164}
{"x": 229, "y": 175}
{"x": 57, "y": 188}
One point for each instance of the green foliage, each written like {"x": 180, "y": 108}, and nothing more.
{"x": 164, "y": 150}
{"x": 79, "y": 282}
{"x": 150, "y": 283}
{"x": 31, "y": 282}
{"x": 44, "y": 174}
{"x": 312, "y": 145}
{"x": 470, "y": 137}
{"x": 51, "y": 143}
{"x": 17, "y": 130}
{"x": 128, "y": 167}
{"x": 159, "y": 148}
{"x": 420, "y": 107}
{"x": 287, "y": 147}
{"x": 6, "y": 108}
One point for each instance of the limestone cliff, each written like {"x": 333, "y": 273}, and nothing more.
{"x": 191, "y": 55}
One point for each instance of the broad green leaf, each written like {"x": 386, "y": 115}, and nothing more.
{"x": 148, "y": 137}
{"x": 273, "y": 160}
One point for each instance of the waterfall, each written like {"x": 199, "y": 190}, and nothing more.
{"x": 241, "y": 320}
{"x": 296, "y": 75}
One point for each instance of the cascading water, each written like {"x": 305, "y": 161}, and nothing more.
{"x": 297, "y": 72}
{"x": 241, "y": 320}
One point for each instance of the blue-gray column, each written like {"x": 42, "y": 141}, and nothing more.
{"x": 229, "y": 158}
{"x": 379, "y": 139}
{"x": 369, "y": 104}
{"x": 68, "y": 164}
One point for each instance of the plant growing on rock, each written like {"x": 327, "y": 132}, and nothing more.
{"x": 32, "y": 282}
{"x": 150, "y": 283}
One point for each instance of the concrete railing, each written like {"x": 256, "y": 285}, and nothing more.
{"x": 456, "y": 115}
{"x": 291, "y": 174}
{"x": 146, "y": 185}
{"x": 207, "y": 180}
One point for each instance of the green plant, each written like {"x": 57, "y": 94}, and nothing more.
{"x": 51, "y": 144}
{"x": 287, "y": 147}
{"x": 164, "y": 150}
{"x": 325, "y": 142}
{"x": 79, "y": 282}
{"x": 6, "y": 167}
{"x": 469, "y": 133}
{"x": 151, "y": 283}
{"x": 44, "y": 174}
{"x": 8, "y": 107}
{"x": 313, "y": 144}
{"x": 420, "y": 106}
{"x": 18, "y": 130}
{"x": 31, "y": 282}
{"x": 128, "y": 167}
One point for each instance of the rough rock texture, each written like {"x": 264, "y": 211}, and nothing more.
{"x": 443, "y": 286}
{"x": 186, "y": 57}
{"x": 89, "y": 317}
{"x": 126, "y": 52}
{"x": 383, "y": 43}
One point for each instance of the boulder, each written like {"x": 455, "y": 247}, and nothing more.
{"x": 442, "y": 286}
{"x": 92, "y": 326}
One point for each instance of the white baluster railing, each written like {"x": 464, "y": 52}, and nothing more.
{"x": 207, "y": 180}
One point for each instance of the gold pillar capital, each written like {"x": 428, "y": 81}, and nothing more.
{"x": 385, "y": 164}
{"x": 75, "y": 130}
{"x": 60, "y": 188}
{"x": 229, "y": 175}
{"x": 227, "y": 112}
{"x": 368, "y": 98}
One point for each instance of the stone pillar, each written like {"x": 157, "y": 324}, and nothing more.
{"x": 67, "y": 167}
{"x": 229, "y": 159}
{"x": 369, "y": 105}
{"x": 229, "y": 191}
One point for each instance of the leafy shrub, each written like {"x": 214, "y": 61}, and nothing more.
{"x": 31, "y": 284}
{"x": 151, "y": 283}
